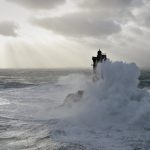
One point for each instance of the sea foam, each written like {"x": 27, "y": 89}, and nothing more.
{"x": 114, "y": 99}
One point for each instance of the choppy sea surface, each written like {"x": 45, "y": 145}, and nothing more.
{"x": 64, "y": 109}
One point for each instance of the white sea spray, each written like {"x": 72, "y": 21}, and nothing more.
{"x": 114, "y": 98}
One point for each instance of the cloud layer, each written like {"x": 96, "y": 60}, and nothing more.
{"x": 95, "y": 18}
{"x": 8, "y": 28}
{"x": 119, "y": 4}
{"x": 79, "y": 24}
{"x": 38, "y": 4}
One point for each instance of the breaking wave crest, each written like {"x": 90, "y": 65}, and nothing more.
{"x": 114, "y": 99}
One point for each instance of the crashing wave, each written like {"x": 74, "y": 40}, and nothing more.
{"x": 114, "y": 98}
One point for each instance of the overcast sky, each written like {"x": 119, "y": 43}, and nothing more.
{"x": 67, "y": 33}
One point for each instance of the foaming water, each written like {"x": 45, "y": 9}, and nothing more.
{"x": 4, "y": 101}
{"x": 77, "y": 113}
{"x": 113, "y": 105}
{"x": 115, "y": 98}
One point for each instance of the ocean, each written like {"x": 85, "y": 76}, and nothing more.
{"x": 65, "y": 109}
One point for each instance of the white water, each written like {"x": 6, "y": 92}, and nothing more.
{"x": 113, "y": 114}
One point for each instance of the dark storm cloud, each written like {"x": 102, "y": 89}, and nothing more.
{"x": 119, "y": 4}
{"x": 120, "y": 10}
{"x": 143, "y": 16}
{"x": 79, "y": 24}
{"x": 38, "y": 4}
{"x": 7, "y": 28}
{"x": 103, "y": 18}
